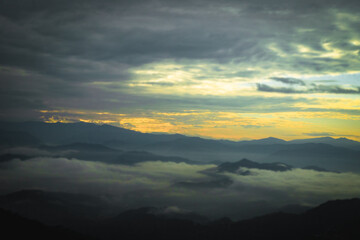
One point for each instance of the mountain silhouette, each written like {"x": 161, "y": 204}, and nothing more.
{"x": 264, "y": 141}
{"x": 53, "y": 207}
{"x": 337, "y": 142}
{"x": 90, "y": 141}
{"x": 337, "y": 219}
{"x": 319, "y": 154}
{"x": 9, "y": 156}
{"x": 133, "y": 157}
{"x": 17, "y": 138}
{"x": 333, "y": 220}
{"x": 245, "y": 163}
{"x": 14, "y": 226}
{"x": 80, "y": 146}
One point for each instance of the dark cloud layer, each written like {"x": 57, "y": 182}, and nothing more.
{"x": 292, "y": 81}
{"x": 313, "y": 88}
{"x": 56, "y": 52}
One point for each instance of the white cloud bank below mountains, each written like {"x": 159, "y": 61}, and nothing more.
{"x": 152, "y": 184}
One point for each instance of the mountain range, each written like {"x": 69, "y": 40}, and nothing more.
{"x": 65, "y": 133}
{"x": 106, "y": 142}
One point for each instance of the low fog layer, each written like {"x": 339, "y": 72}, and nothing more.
{"x": 157, "y": 184}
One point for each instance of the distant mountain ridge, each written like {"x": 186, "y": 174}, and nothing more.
{"x": 14, "y": 138}
{"x": 161, "y": 213}
{"x": 79, "y": 146}
{"x": 133, "y": 157}
{"x": 327, "y": 153}
{"x": 65, "y": 133}
{"x": 339, "y": 142}
{"x": 245, "y": 163}
{"x": 236, "y": 167}
{"x": 269, "y": 140}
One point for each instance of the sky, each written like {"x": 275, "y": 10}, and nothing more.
{"x": 216, "y": 69}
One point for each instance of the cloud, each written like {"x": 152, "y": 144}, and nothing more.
{"x": 336, "y": 89}
{"x": 137, "y": 57}
{"x": 72, "y": 175}
{"x": 327, "y": 134}
{"x": 313, "y": 88}
{"x": 291, "y": 81}
{"x": 307, "y": 186}
{"x": 266, "y": 88}
{"x": 316, "y": 134}
{"x": 156, "y": 184}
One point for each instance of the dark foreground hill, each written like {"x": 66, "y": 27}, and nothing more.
{"x": 14, "y": 226}
{"x": 332, "y": 220}
{"x": 339, "y": 219}
{"x": 54, "y": 208}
